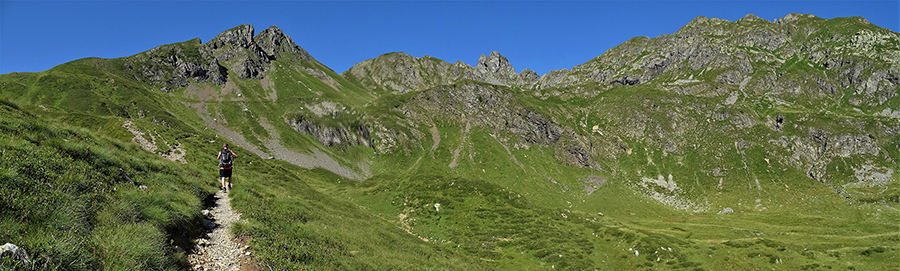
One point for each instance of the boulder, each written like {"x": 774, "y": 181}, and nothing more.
{"x": 15, "y": 252}
{"x": 208, "y": 224}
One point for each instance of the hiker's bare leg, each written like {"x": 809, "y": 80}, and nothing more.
{"x": 222, "y": 180}
{"x": 229, "y": 183}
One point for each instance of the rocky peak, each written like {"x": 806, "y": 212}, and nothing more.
{"x": 495, "y": 63}
{"x": 249, "y": 56}
{"x": 495, "y": 69}
{"x": 704, "y": 21}
{"x": 240, "y": 36}
{"x": 236, "y": 49}
{"x": 749, "y": 18}
{"x": 796, "y": 16}
{"x": 272, "y": 38}
{"x": 704, "y": 25}
{"x": 275, "y": 43}
{"x": 401, "y": 72}
{"x": 528, "y": 73}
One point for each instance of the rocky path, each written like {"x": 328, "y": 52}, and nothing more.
{"x": 216, "y": 250}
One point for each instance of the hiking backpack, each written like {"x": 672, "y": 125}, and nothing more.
{"x": 225, "y": 158}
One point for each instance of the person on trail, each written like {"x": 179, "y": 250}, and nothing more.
{"x": 226, "y": 159}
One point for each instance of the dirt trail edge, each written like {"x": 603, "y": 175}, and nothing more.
{"x": 216, "y": 250}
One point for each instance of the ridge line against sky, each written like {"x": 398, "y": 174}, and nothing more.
{"x": 541, "y": 36}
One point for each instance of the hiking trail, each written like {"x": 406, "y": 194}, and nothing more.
{"x": 215, "y": 250}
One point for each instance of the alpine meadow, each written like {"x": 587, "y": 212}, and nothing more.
{"x": 727, "y": 145}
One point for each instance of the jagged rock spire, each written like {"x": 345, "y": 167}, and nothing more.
{"x": 495, "y": 69}
{"x": 495, "y": 63}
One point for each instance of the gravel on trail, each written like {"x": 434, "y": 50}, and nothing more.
{"x": 216, "y": 250}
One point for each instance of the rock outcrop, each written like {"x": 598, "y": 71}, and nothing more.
{"x": 177, "y": 65}
{"x": 235, "y": 49}
{"x": 249, "y": 56}
{"x": 495, "y": 69}
{"x": 357, "y": 135}
{"x": 278, "y": 45}
{"x": 494, "y": 108}
{"x": 402, "y": 73}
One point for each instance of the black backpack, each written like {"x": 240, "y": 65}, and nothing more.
{"x": 225, "y": 158}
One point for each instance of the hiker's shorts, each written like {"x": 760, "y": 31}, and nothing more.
{"x": 225, "y": 173}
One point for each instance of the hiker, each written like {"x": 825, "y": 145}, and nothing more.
{"x": 226, "y": 157}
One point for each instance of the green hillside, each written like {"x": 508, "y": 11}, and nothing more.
{"x": 739, "y": 145}
{"x": 78, "y": 201}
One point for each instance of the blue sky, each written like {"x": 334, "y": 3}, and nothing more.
{"x": 542, "y": 36}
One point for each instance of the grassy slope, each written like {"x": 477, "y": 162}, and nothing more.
{"x": 493, "y": 210}
{"x": 65, "y": 201}
{"x": 295, "y": 226}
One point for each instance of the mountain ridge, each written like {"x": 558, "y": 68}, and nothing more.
{"x": 602, "y": 69}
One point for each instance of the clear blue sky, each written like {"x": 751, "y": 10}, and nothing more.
{"x": 542, "y": 36}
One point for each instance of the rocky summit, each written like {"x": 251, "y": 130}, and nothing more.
{"x": 744, "y": 145}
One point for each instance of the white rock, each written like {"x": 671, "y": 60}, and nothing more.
{"x": 15, "y": 252}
